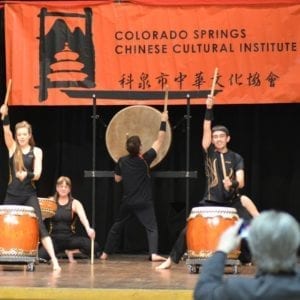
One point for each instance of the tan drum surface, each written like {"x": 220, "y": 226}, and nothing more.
{"x": 140, "y": 120}
{"x": 19, "y": 232}
{"x": 204, "y": 228}
{"x": 48, "y": 207}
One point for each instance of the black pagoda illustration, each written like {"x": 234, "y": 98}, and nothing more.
{"x": 66, "y": 57}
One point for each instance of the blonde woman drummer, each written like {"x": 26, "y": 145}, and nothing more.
{"x": 62, "y": 224}
{"x": 25, "y": 164}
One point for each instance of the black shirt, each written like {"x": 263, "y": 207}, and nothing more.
{"x": 62, "y": 223}
{"x": 136, "y": 177}
{"x": 16, "y": 187}
{"x": 215, "y": 191}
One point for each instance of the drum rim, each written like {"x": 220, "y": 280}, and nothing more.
{"x": 213, "y": 209}
{"x": 16, "y": 207}
{"x": 46, "y": 199}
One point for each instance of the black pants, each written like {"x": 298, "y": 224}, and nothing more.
{"x": 145, "y": 214}
{"x": 70, "y": 242}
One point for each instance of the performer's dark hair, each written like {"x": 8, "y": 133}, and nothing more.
{"x": 220, "y": 128}
{"x": 133, "y": 145}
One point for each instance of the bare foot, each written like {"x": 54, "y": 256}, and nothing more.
{"x": 55, "y": 265}
{"x": 156, "y": 257}
{"x": 165, "y": 265}
{"x": 104, "y": 256}
{"x": 70, "y": 255}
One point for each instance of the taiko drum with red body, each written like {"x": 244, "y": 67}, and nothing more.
{"x": 19, "y": 231}
{"x": 48, "y": 207}
{"x": 204, "y": 228}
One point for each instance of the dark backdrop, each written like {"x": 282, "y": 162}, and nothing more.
{"x": 267, "y": 136}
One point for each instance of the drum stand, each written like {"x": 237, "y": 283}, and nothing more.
{"x": 187, "y": 118}
{"x": 194, "y": 264}
{"x": 19, "y": 260}
{"x": 94, "y": 117}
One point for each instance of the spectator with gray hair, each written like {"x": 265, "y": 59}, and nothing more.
{"x": 274, "y": 239}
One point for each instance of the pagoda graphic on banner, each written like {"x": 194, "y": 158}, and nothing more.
{"x": 66, "y": 51}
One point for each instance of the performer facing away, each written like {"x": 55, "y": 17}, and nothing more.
{"x": 25, "y": 163}
{"x": 133, "y": 171}
{"x": 62, "y": 224}
{"x": 224, "y": 177}
{"x": 274, "y": 239}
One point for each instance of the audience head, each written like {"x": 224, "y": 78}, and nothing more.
{"x": 274, "y": 239}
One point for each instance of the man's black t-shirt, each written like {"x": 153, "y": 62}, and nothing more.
{"x": 136, "y": 177}
{"x": 215, "y": 191}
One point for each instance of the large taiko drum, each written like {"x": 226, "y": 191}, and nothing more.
{"x": 19, "y": 231}
{"x": 140, "y": 120}
{"x": 204, "y": 228}
{"x": 48, "y": 207}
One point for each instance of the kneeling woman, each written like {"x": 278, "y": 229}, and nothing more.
{"x": 62, "y": 225}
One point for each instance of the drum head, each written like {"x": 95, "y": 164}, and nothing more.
{"x": 140, "y": 120}
{"x": 16, "y": 208}
{"x": 214, "y": 211}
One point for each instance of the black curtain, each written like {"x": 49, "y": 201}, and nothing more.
{"x": 265, "y": 135}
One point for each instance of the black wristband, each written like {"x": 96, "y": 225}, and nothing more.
{"x": 30, "y": 175}
{"x": 5, "y": 120}
{"x": 163, "y": 126}
{"x": 209, "y": 114}
{"x": 234, "y": 184}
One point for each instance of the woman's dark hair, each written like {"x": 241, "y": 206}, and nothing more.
{"x": 133, "y": 145}
{"x": 220, "y": 128}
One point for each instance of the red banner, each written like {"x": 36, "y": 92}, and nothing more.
{"x": 60, "y": 53}
{"x": 213, "y": 2}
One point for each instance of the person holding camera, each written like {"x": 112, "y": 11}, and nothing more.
{"x": 274, "y": 239}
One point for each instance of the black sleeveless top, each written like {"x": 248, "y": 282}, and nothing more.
{"x": 17, "y": 187}
{"x": 63, "y": 222}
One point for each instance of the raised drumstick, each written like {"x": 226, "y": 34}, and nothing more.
{"x": 166, "y": 98}
{"x": 212, "y": 91}
{"x": 7, "y": 94}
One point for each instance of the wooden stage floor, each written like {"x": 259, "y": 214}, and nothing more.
{"x": 121, "y": 277}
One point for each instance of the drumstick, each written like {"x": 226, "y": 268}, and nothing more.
{"x": 223, "y": 165}
{"x": 92, "y": 251}
{"x": 7, "y": 95}
{"x": 166, "y": 98}
{"x": 212, "y": 91}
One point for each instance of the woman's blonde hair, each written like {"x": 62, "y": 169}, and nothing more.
{"x": 18, "y": 155}
{"x": 67, "y": 181}
{"x": 64, "y": 179}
